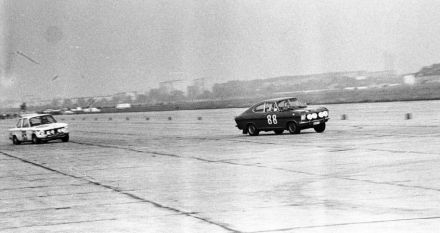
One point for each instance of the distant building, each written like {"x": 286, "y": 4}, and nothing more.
{"x": 197, "y": 88}
{"x": 409, "y": 79}
{"x": 166, "y": 87}
{"x": 123, "y": 106}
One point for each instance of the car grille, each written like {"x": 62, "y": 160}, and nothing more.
{"x": 52, "y": 131}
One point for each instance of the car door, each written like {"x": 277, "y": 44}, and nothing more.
{"x": 284, "y": 114}
{"x": 259, "y": 116}
{"x": 26, "y": 133}
{"x": 17, "y": 130}
{"x": 271, "y": 115}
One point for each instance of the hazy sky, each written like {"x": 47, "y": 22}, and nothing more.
{"x": 54, "y": 48}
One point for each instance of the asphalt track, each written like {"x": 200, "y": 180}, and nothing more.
{"x": 376, "y": 171}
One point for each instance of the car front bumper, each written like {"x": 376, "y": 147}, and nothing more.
{"x": 53, "y": 136}
{"x": 309, "y": 124}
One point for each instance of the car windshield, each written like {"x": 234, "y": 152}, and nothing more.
{"x": 291, "y": 103}
{"x": 42, "y": 120}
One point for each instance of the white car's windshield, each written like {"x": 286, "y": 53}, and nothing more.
{"x": 42, "y": 120}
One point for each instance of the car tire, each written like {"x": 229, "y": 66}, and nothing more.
{"x": 252, "y": 130}
{"x": 319, "y": 128}
{"x": 293, "y": 128}
{"x": 35, "y": 140}
{"x": 15, "y": 141}
{"x": 279, "y": 131}
{"x": 65, "y": 138}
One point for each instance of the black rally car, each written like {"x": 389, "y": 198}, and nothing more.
{"x": 282, "y": 114}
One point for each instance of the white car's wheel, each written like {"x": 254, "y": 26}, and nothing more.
{"x": 35, "y": 140}
{"x": 65, "y": 138}
{"x": 15, "y": 141}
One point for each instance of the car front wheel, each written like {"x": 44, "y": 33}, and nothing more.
{"x": 252, "y": 130}
{"x": 293, "y": 128}
{"x": 15, "y": 141}
{"x": 35, "y": 140}
{"x": 65, "y": 138}
{"x": 320, "y": 128}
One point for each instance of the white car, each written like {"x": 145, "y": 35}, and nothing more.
{"x": 38, "y": 128}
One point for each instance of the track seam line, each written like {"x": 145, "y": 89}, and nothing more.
{"x": 69, "y": 207}
{"x": 261, "y": 166}
{"x": 61, "y": 223}
{"x": 133, "y": 196}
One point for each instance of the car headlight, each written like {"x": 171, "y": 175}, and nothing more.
{"x": 314, "y": 115}
{"x": 321, "y": 114}
{"x": 303, "y": 117}
{"x": 309, "y": 116}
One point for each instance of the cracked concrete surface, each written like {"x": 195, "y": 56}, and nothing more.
{"x": 375, "y": 172}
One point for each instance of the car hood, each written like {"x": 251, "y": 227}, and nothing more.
{"x": 50, "y": 126}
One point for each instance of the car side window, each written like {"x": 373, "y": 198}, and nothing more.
{"x": 283, "y": 105}
{"x": 270, "y": 107}
{"x": 259, "y": 108}
{"x": 26, "y": 123}
{"x": 35, "y": 121}
{"x": 19, "y": 124}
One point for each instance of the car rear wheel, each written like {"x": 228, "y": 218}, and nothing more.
{"x": 65, "y": 138}
{"x": 15, "y": 141}
{"x": 279, "y": 131}
{"x": 35, "y": 140}
{"x": 252, "y": 130}
{"x": 320, "y": 128}
{"x": 293, "y": 128}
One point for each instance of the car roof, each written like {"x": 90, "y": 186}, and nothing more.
{"x": 30, "y": 115}
{"x": 279, "y": 98}
{"x": 272, "y": 100}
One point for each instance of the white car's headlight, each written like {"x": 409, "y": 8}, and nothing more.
{"x": 314, "y": 115}
{"x": 309, "y": 116}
